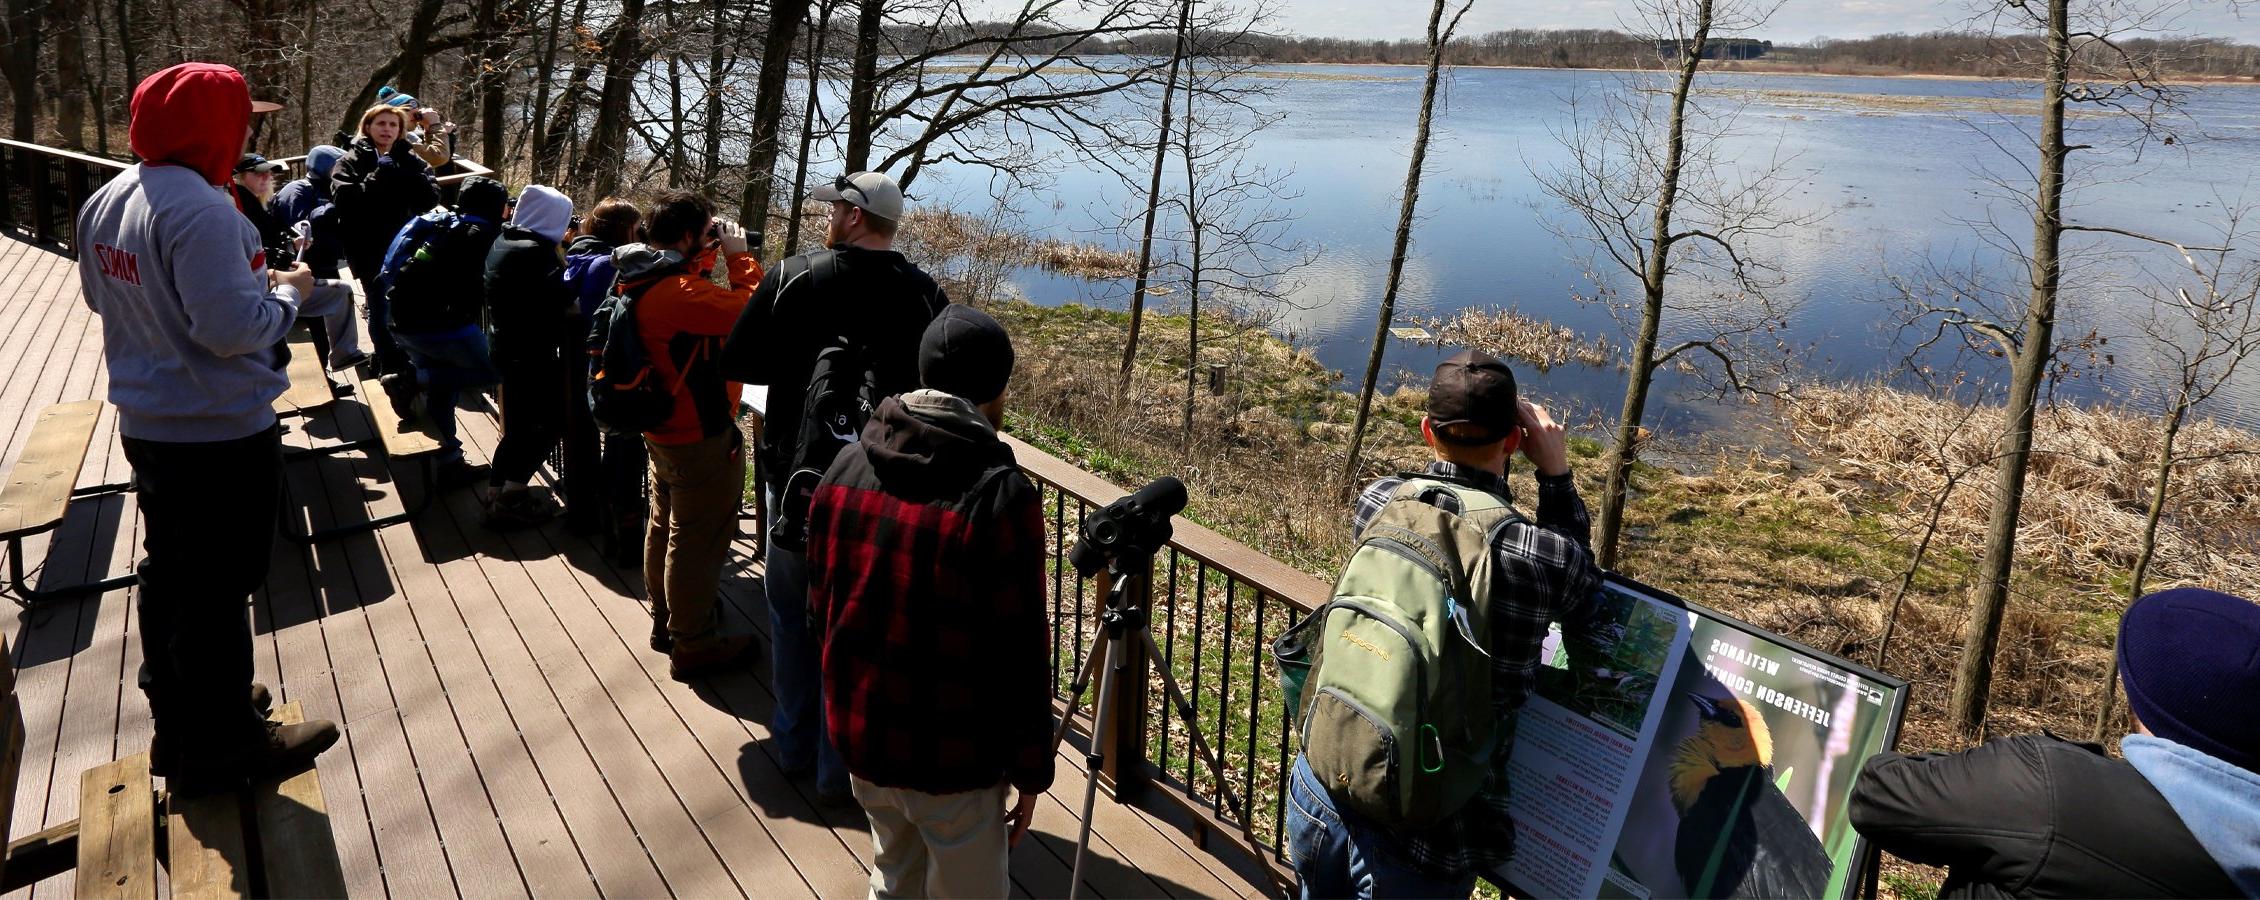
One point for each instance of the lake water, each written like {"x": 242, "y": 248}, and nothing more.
{"x": 1895, "y": 185}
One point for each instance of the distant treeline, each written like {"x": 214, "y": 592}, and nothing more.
{"x": 1929, "y": 53}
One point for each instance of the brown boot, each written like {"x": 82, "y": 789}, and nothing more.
{"x": 719, "y": 656}
{"x": 282, "y": 750}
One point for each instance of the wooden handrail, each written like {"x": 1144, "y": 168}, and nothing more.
{"x": 1231, "y": 557}
{"x": 68, "y": 155}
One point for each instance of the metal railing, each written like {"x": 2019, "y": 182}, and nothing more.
{"x": 1214, "y": 607}
{"x": 41, "y": 189}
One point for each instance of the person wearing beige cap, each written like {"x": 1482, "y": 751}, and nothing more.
{"x": 857, "y": 304}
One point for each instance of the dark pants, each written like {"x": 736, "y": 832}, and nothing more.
{"x": 209, "y": 512}
{"x": 533, "y": 414}
{"x": 447, "y": 364}
{"x": 586, "y": 477}
{"x": 390, "y": 358}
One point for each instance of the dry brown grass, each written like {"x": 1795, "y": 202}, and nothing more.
{"x": 1508, "y": 334}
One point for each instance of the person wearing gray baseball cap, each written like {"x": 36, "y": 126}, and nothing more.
{"x": 851, "y": 313}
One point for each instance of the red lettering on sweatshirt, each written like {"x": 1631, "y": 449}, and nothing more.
{"x": 118, "y": 265}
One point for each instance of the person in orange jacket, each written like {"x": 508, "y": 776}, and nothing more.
{"x": 698, "y": 455}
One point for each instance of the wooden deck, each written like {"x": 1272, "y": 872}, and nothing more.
{"x": 507, "y": 731}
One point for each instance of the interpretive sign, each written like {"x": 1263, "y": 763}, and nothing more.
{"x": 1683, "y": 753}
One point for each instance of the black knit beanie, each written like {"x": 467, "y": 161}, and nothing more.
{"x": 2191, "y": 661}
{"x": 965, "y": 353}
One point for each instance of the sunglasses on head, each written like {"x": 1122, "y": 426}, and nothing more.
{"x": 843, "y": 185}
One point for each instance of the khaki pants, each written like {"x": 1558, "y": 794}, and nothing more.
{"x": 696, "y": 490}
{"x": 936, "y": 845}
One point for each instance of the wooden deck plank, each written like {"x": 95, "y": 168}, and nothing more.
{"x": 39, "y": 484}
{"x": 297, "y": 853}
{"x": 309, "y": 387}
{"x": 117, "y": 848}
{"x": 206, "y": 855}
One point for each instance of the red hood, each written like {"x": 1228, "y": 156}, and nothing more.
{"x": 194, "y": 115}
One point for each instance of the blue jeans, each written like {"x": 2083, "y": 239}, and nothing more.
{"x": 1338, "y": 856}
{"x": 447, "y": 363}
{"x": 797, "y": 668}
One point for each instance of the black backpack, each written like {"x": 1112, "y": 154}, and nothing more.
{"x": 626, "y": 395}
{"x": 843, "y": 390}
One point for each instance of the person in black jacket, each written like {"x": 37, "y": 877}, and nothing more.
{"x": 2042, "y": 816}
{"x": 377, "y": 188}
{"x": 439, "y": 295}
{"x": 529, "y": 309}
{"x": 861, "y": 290}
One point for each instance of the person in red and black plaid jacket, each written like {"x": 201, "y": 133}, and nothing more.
{"x": 926, "y": 563}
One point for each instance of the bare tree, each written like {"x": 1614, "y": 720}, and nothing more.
{"x": 1659, "y": 187}
{"x": 625, "y": 53}
{"x": 1439, "y": 34}
{"x": 65, "y": 28}
{"x": 2201, "y": 329}
{"x": 769, "y": 111}
{"x": 21, "y": 65}
{"x": 1153, "y": 199}
{"x": 811, "y": 115}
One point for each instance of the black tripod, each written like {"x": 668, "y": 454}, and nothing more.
{"x": 1122, "y": 619}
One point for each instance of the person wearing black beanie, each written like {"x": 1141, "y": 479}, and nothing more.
{"x": 2041, "y": 816}
{"x": 926, "y": 569}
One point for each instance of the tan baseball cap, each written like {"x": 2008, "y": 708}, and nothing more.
{"x": 872, "y": 192}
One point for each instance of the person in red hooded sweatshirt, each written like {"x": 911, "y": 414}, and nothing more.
{"x": 193, "y": 322}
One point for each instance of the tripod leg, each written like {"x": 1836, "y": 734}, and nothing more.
{"x": 1092, "y": 660}
{"x": 1110, "y": 680}
{"x": 1192, "y": 727}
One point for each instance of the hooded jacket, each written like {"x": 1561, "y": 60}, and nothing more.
{"x": 683, "y": 317}
{"x": 191, "y": 333}
{"x": 2219, "y": 802}
{"x": 530, "y": 309}
{"x": 926, "y": 564}
{"x": 2038, "y": 816}
{"x": 376, "y": 193}
{"x": 308, "y": 200}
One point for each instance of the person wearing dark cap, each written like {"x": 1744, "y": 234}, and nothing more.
{"x": 330, "y": 300}
{"x": 858, "y": 294}
{"x": 1539, "y": 573}
{"x": 2041, "y": 816}
{"x": 193, "y": 323}
{"x": 926, "y": 563}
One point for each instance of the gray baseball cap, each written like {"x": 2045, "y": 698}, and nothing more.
{"x": 872, "y": 192}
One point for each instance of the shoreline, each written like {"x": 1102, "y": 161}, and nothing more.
{"x": 1906, "y": 76}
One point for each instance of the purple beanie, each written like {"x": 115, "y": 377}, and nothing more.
{"x": 2191, "y": 662}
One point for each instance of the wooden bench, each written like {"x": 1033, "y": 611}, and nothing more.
{"x": 271, "y": 839}
{"x": 40, "y": 489}
{"x": 309, "y": 386}
{"x": 420, "y": 444}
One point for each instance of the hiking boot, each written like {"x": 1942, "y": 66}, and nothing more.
{"x": 661, "y": 639}
{"x": 283, "y": 749}
{"x": 400, "y": 389}
{"x": 348, "y": 361}
{"x": 160, "y": 755}
{"x": 262, "y": 699}
{"x": 456, "y": 474}
{"x": 512, "y": 510}
{"x": 731, "y": 653}
{"x": 627, "y": 543}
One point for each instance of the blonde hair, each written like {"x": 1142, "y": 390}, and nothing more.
{"x": 371, "y": 114}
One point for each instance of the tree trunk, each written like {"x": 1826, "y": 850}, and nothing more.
{"x": 808, "y": 117}
{"x": 598, "y": 168}
{"x": 710, "y": 162}
{"x": 306, "y": 78}
{"x": 63, "y": 27}
{"x": 128, "y": 46}
{"x": 98, "y": 87}
{"x": 2161, "y": 481}
{"x": 1626, "y": 449}
{"x": 769, "y": 111}
{"x": 545, "y": 143}
{"x": 1153, "y": 206}
{"x": 406, "y": 69}
{"x": 678, "y": 153}
{"x": 1193, "y": 272}
{"x": 1973, "y": 677}
{"x": 1403, "y": 241}
{"x": 863, "y": 86}
{"x": 495, "y": 26}
{"x": 22, "y": 67}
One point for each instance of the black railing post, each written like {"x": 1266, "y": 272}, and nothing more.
{"x": 11, "y": 160}
{"x": 1125, "y": 771}
{"x": 42, "y": 199}
{"x": 75, "y": 192}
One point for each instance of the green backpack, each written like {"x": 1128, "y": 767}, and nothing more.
{"x": 1391, "y": 679}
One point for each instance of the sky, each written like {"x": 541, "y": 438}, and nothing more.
{"x": 1797, "y": 21}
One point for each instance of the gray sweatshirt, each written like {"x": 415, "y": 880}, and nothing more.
{"x": 189, "y": 328}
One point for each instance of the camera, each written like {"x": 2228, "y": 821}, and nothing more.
{"x": 1133, "y": 526}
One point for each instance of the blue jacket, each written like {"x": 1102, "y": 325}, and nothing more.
{"x": 589, "y": 271}
{"x": 2219, "y": 802}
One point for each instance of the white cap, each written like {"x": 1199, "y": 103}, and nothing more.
{"x": 872, "y": 192}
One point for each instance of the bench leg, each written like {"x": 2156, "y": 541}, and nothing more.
{"x": 408, "y": 510}
{"x": 19, "y": 583}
